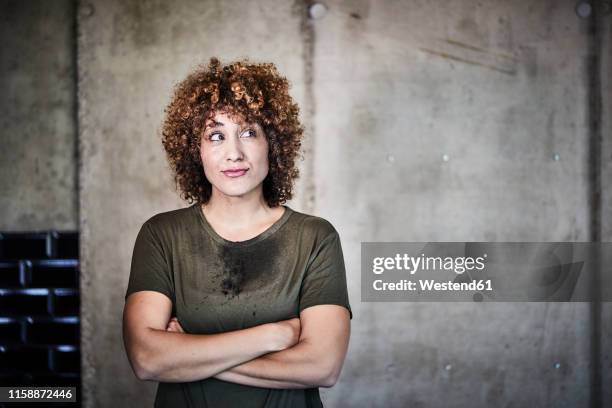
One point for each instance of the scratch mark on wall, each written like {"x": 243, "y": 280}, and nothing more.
{"x": 478, "y": 49}
{"x": 470, "y": 62}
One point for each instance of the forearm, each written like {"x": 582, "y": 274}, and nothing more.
{"x": 295, "y": 367}
{"x": 181, "y": 357}
{"x": 233, "y": 376}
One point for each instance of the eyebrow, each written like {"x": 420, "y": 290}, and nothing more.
{"x": 214, "y": 124}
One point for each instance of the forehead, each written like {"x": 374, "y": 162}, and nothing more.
{"x": 224, "y": 118}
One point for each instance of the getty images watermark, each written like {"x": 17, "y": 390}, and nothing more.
{"x": 486, "y": 271}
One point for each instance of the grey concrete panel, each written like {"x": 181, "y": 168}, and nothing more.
{"x": 606, "y": 197}
{"x": 131, "y": 54}
{"x": 433, "y": 121}
{"x": 458, "y": 121}
{"x": 37, "y": 126}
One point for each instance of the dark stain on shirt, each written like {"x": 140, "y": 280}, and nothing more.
{"x": 245, "y": 267}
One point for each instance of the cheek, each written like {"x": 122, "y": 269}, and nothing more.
{"x": 207, "y": 161}
{"x": 263, "y": 159}
{"x": 264, "y": 151}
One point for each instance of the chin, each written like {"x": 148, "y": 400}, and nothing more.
{"x": 235, "y": 192}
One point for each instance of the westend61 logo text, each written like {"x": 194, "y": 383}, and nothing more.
{"x": 413, "y": 264}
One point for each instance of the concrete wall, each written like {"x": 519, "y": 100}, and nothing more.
{"x": 426, "y": 121}
{"x": 389, "y": 91}
{"x": 493, "y": 86}
{"x": 130, "y": 56}
{"x": 37, "y": 125}
{"x": 606, "y": 194}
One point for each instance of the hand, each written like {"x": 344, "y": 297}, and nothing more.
{"x": 287, "y": 333}
{"x": 174, "y": 326}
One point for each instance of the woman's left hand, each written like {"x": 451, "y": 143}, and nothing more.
{"x": 174, "y": 326}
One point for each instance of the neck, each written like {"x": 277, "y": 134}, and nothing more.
{"x": 236, "y": 212}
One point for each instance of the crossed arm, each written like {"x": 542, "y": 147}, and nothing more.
{"x": 298, "y": 353}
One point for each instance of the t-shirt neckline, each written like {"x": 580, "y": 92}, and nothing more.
{"x": 265, "y": 234}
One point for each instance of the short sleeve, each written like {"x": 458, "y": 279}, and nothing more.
{"x": 149, "y": 268}
{"x": 325, "y": 278}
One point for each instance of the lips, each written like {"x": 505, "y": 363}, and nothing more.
{"x": 235, "y": 172}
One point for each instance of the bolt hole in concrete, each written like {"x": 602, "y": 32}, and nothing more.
{"x": 317, "y": 11}
{"x": 87, "y": 10}
{"x": 583, "y": 9}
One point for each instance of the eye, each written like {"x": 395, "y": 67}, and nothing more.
{"x": 215, "y": 137}
{"x": 249, "y": 133}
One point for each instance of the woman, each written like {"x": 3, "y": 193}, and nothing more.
{"x": 237, "y": 300}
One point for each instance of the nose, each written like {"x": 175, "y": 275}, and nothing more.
{"x": 234, "y": 150}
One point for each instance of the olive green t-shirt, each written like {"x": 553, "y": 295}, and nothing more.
{"x": 218, "y": 285}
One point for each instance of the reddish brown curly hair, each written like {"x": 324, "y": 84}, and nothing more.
{"x": 254, "y": 91}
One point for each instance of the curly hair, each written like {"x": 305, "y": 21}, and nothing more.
{"x": 258, "y": 94}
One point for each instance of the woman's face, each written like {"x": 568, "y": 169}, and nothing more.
{"x": 234, "y": 155}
